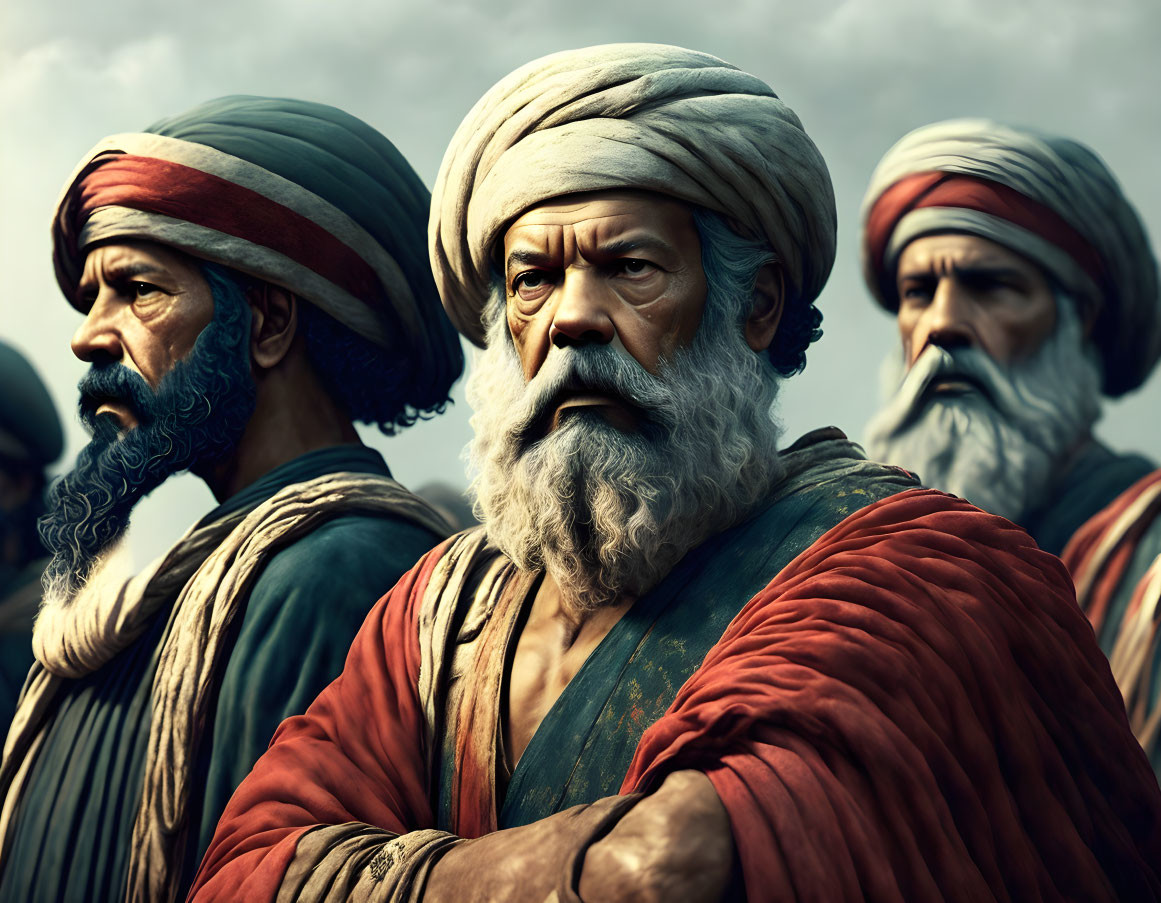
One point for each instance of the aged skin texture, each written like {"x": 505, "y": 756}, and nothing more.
{"x": 675, "y": 662}
{"x": 236, "y": 305}
{"x": 1024, "y": 286}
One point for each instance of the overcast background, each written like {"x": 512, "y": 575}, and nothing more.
{"x": 859, "y": 73}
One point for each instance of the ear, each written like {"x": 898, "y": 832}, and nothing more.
{"x": 769, "y": 295}
{"x": 1088, "y": 318}
{"x": 273, "y": 324}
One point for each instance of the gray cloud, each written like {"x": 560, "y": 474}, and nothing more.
{"x": 859, "y": 73}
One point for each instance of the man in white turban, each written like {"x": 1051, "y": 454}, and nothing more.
{"x": 673, "y": 663}
{"x": 1025, "y": 287}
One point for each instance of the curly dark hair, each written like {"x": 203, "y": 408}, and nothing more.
{"x": 731, "y": 262}
{"x": 368, "y": 383}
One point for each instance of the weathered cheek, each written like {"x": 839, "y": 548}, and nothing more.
{"x": 518, "y": 329}
{"x": 907, "y": 337}
{"x": 516, "y": 326}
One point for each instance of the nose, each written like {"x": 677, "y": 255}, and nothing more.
{"x": 582, "y": 314}
{"x": 948, "y": 320}
{"x": 97, "y": 337}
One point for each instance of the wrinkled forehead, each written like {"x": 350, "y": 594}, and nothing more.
{"x": 136, "y": 257}
{"x": 944, "y": 252}
{"x": 599, "y": 217}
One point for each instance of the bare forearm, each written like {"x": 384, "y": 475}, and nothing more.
{"x": 672, "y": 845}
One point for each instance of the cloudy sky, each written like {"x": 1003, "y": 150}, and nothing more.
{"x": 859, "y": 73}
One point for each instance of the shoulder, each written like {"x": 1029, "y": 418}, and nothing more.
{"x": 928, "y": 565}
{"x": 1133, "y": 513}
{"x": 927, "y": 520}
{"x": 825, "y": 464}
{"x": 945, "y": 552}
{"x": 351, "y": 560}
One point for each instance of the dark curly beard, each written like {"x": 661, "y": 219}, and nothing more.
{"x": 194, "y": 419}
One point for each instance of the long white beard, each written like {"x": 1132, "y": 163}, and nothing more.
{"x": 1003, "y": 446}
{"x": 609, "y": 513}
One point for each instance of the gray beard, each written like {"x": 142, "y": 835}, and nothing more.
{"x": 1002, "y": 446}
{"x": 608, "y": 513}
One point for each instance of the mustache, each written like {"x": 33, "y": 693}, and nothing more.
{"x": 117, "y": 383}
{"x": 582, "y": 369}
{"x": 936, "y": 366}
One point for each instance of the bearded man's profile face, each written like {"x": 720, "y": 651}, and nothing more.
{"x": 169, "y": 389}
{"x": 996, "y": 387}
{"x": 621, "y": 416}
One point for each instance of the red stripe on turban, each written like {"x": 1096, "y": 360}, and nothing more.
{"x": 193, "y": 196}
{"x": 941, "y": 189}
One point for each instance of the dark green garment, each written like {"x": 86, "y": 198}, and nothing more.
{"x": 582, "y": 749}
{"x": 1098, "y": 476}
{"x": 72, "y": 833}
{"x": 19, "y": 598}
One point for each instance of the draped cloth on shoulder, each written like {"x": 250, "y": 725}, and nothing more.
{"x": 209, "y": 572}
{"x": 1049, "y": 199}
{"x": 628, "y": 116}
{"x": 1099, "y": 557}
{"x": 913, "y": 709}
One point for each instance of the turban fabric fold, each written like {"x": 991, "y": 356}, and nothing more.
{"x": 629, "y": 116}
{"x": 1047, "y": 198}
{"x": 298, "y": 194}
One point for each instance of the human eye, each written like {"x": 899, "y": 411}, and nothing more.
{"x": 915, "y": 292}
{"x": 145, "y": 290}
{"x": 530, "y": 280}
{"x": 530, "y": 288}
{"x": 634, "y": 267}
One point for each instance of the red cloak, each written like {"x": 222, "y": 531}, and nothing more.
{"x": 913, "y": 709}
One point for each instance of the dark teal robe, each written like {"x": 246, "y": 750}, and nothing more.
{"x": 19, "y": 597}
{"x": 75, "y": 820}
{"x": 582, "y": 748}
{"x": 1097, "y": 477}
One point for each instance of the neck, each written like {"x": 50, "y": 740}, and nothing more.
{"x": 1068, "y": 461}
{"x": 293, "y": 415}
{"x": 554, "y": 605}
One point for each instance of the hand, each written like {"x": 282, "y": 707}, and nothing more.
{"x": 674, "y": 845}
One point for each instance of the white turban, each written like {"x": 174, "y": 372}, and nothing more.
{"x": 643, "y": 116}
{"x": 1049, "y": 199}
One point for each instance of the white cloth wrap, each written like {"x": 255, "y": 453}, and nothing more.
{"x": 638, "y": 116}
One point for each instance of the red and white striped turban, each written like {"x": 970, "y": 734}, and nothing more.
{"x": 1049, "y": 199}
{"x": 298, "y": 194}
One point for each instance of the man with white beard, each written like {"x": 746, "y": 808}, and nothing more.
{"x": 1024, "y": 287}
{"x": 673, "y": 663}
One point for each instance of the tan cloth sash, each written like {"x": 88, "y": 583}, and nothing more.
{"x": 211, "y": 571}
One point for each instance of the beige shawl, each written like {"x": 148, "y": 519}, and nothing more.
{"x": 210, "y": 572}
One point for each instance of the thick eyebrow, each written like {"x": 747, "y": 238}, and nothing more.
{"x": 971, "y": 271}
{"x": 118, "y": 272}
{"x": 122, "y": 271}
{"x": 622, "y": 246}
{"x": 528, "y": 257}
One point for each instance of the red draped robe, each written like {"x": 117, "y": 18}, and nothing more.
{"x": 913, "y": 709}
